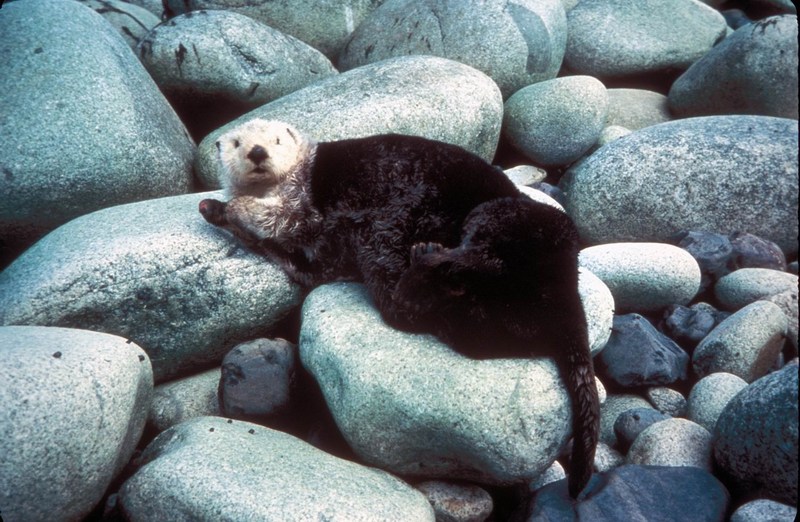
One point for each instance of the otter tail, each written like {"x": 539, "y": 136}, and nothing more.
{"x": 585, "y": 410}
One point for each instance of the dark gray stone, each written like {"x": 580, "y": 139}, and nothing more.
{"x": 752, "y": 71}
{"x": 688, "y": 175}
{"x": 690, "y": 325}
{"x": 755, "y": 438}
{"x": 639, "y": 355}
{"x": 631, "y": 423}
{"x": 711, "y": 251}
{"x": 257, "y": 378}
{"x": 751, "y": 251}
{"x": 632, "y": 492}
{"x": 84, "y": 126}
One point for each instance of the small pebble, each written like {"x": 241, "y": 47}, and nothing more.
{"x": 710, "y": 395}
{"x": 457, "y": 503}
{"x": 764, "y": 510}
{"x": 632, "y": 422}
{"x": 673, "y": 442}
{"x": 747, "y": 285}
{"x": 690, "y": 325}
{"x": 667, "y": 401}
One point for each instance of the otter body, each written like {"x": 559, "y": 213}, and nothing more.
{"x": 444, "y": 242}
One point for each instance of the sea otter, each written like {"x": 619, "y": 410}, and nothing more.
{"x": 444, "y": 242}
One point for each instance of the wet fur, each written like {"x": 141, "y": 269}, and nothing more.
{"x": 445, "y": 243}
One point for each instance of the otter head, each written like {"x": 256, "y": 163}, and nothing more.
{"x": 258, "y": 155}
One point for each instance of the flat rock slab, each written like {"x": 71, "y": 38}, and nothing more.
{"x": 410, "y": 404}
{"x": 424, "y": 96}
{"x": 154, "y": 272}
{"x": 211, "y": 467}
{"x": 84, "y": 126}
{"x": 716, "y": 173}
{"x": 72, "y": 409}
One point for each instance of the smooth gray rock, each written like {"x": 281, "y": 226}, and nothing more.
{"x": 421, "y": 95}
{"x": 636, "y": 109}
{"x": 607, "y": 458}
{"x": 257, "y": 378}
{"x": 555, "y": 122}
{"x": 516, "y": 44}
{"x": 72, "y": 408}
{"x": 611, "y": 409}
{"x": 154, "y": 272}
{"x": 639, "y": 355}
{"x": 690, "y": 325}
{"x": 183, "y": 399}
{"x": 710, "y": 395}
{"x": 711, "y": 250}
{"x": 552, "y": 474}
{"x": 616, "y": 38}
{"x": 598, "y": 306}
{"x": 410, "y": 404}
{"x": 746, "y": 344}
{"x": 689, "y": 175}
{"x": 644, "y": 276}
{"x": 672, "y": 442}
{"x": 668, "y": 401}
{"x": 751, "y": 251}
{"x": 84, "y": 126}
{"x": 755, "y": 439}
{"x": 747, "y": 285}
{"x": 631, "y": 423}
{"x": 214, "y": 66}
{"x": 631, "y": 492}
{"x": 787, "y": 302}
{"x": 457, "y": 502}
{"x": 753, "y": 71}
{"x": 213, "y": 468}
{"x": 323, "y": 25}
{"x": 764, "y": 509}
{"x": 132, "y": 21}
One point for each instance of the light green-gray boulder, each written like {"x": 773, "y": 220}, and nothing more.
{"x": 210, "y": 468}
{"x": 719, "y": 173}
{"x": 515, "y": 43}
{"x": 154, "y": 272}
{"x": 132, "y": 21}
{"x": 747, "y": 285}
{"x": 83, "y": 125}
{"x": 72, "y": 409}
{"x": 425, "y": 96}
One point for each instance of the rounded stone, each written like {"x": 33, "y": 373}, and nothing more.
{"x": 516, "y": 44}
{"x": 687, "y": 175}
{"x": 323, "y": 25}
{"x": 787, "y": 301}
{"x": 84, "y": 126}
{"x": 214, "y": 66}
{"x": 644, "y": 276}
{"x": 747, "y": 285}
{"x": 183, "y": 399}
{"x": 132, "y": 21}
{"x": 555, "y": 122}
{"x": 615, "y": 38}
{"x": 667, "y": 401}
{"x": 746, "y": 344}
{"x": 636, "y": 109}
{"x": 631, "y": 423}
{"x": 753, "y": 71}
{"x": 598, "y": 305}
{"x": 425, "y": 96}
{"x": 764, "y": 509}
{"x": 755, "y": 438}
{"x": 410, "y": 404}
{"x": 72, "y": 409}
{"x": 241, "y": 471}
{"x": 552, "y": 474}
{"x": 154, "y": 272}
{"x": 673, "y": 442}
{"x": 710, "y": 395}
{"x": 456, "y": 502}
{"x": 611, "y": 409}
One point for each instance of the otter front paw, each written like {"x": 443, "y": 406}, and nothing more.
{"x": 420, "y": 249}
{"x": 214, "y": 212}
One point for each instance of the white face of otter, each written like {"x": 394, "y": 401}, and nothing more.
{"x": 258, "y": 155}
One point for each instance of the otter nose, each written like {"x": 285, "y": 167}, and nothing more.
{"x": 257, "y": 154}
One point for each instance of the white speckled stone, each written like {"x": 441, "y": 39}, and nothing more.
{"x": 668, "y": 401}
{"x": 555, "y": 122}
{"x": 710, "y": 395}
{"x": 610, "y": 410}
{"x": 764, "y": 509}
{"x": 456, "y": 502}
{"x": 746, "y": 285}
{"x": 644, "y": 276}
{"x": 184, "y": 399}
{"x": 672, "y": 442}
{"x": 636, "y": 109}
{"x": 73, "y": 404}
{"x": 213, "y": 468}
{"x": 745, "y": 344}
{"x": 598, "y": 305}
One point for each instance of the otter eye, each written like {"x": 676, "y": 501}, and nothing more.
{"x": 219, "y": 145}
{"x": 236, "y": 144}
